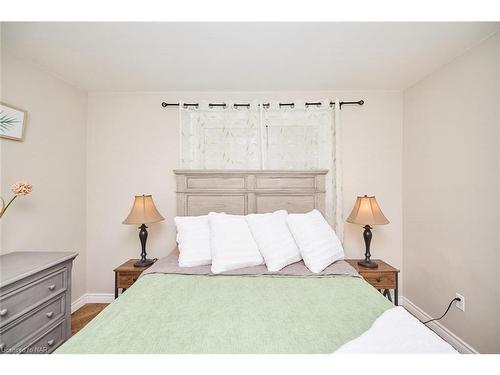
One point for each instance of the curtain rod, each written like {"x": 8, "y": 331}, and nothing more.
{"x": 265, "y": 105}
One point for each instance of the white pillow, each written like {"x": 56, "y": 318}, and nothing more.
{"x": 193, "y": 237}
{"x": 318, "y": 243}
{"x": 274, "y": 239}
{"x": 232, "y": 243}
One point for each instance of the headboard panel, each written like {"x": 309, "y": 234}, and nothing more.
{"x": 243, "y": 192}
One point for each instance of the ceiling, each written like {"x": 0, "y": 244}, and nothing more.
{"x": 241, "y": 56}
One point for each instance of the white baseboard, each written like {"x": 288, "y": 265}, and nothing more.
{"x": 438, "y": 328}
{"x": 78, "y": 303}
{"x": 92, "y": 298}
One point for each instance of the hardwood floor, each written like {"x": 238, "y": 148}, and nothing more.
{"x": 84, "y": 315}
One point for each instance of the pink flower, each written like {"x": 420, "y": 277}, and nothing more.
{"x": 22, "y": 188}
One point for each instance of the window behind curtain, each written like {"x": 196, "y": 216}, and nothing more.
{"x": 255, "y": 138}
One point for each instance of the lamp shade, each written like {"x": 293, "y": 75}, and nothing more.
{"x": 366, "y": 211}
{"x": 143, "y": 211}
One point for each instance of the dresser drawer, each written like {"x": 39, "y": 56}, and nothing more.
{"x": 126, "y": 279}
{"x": 381, "y": 280}
{"x": 20, "y": 329}
{"x": 48, "y": 342}
{"x": 28, "y": 296}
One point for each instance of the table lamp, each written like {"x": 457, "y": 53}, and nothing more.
{"x": 367, "y": 212}
{"x": 143, "y": 212}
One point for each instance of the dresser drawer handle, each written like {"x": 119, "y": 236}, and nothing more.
{"x": 3, "y": 312}
{"x": 52, "y": 287}
{"x": 379, "y": 279}
{"x": 50, "y": 314}
{"x": 50, "y": 342}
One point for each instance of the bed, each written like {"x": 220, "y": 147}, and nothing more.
{"x": 190, "y": 310}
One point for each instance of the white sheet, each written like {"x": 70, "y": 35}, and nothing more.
{"x": 396, "y": 331}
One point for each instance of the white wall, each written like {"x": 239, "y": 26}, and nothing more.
{"x": 53, "y": 158}
{"x": 132, "y": 149}
{"x": 451, "y": 186}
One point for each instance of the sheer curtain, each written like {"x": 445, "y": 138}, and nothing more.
{"x": 298, "y": 137}
{"x": 270, "y": 137}
{"x": 220, "y": 137}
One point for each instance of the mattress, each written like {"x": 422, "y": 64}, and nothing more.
{"x": 179, "y": 313}
{"x": 190, "y": 310}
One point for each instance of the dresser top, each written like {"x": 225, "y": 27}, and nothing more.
{"x": 20, "y": 264}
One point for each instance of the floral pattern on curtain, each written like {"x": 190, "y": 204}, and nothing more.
{"x": 298, "y": 137}
{"x": 220, "y": 138}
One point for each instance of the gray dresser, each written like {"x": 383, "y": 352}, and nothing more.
{"x": 35, "y": 301}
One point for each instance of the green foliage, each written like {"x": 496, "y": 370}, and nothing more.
{"x": 6, "y": 122}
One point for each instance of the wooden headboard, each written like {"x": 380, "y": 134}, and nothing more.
{"x": 242, "y": 192}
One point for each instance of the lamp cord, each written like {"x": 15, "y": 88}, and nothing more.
{"x": 448, "y": 309}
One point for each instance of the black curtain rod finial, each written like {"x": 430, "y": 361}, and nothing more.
{"x": 359, "y": 102}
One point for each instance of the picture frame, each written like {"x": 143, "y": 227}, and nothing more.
{"x": 13, "y": 122}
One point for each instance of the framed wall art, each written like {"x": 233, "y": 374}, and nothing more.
{"x": 12, "y": 122}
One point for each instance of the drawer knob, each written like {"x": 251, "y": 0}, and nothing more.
{"x": 3, "y": 312}
{"x": 52, "y": 287}
{"x": 50, "y": 314}
{"x": 379, "y": 279}
{"x": 50, "y": 342}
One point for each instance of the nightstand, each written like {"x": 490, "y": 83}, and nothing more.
{"x": 126, "y": 275}
{"x": 384, "y": 278}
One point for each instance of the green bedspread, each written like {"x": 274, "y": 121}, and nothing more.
{"x": 167, "y": 313}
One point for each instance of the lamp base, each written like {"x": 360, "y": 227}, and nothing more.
{"x": 368, "y": 264}
{"x": 144, "y": 263}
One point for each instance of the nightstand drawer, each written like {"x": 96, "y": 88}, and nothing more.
{"x": 381, "y": 280}
{"x": 126, "y": 279}
{"x": 127, "y": 274}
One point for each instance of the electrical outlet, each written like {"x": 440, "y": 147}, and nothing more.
{"x": 460, "y": 304}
